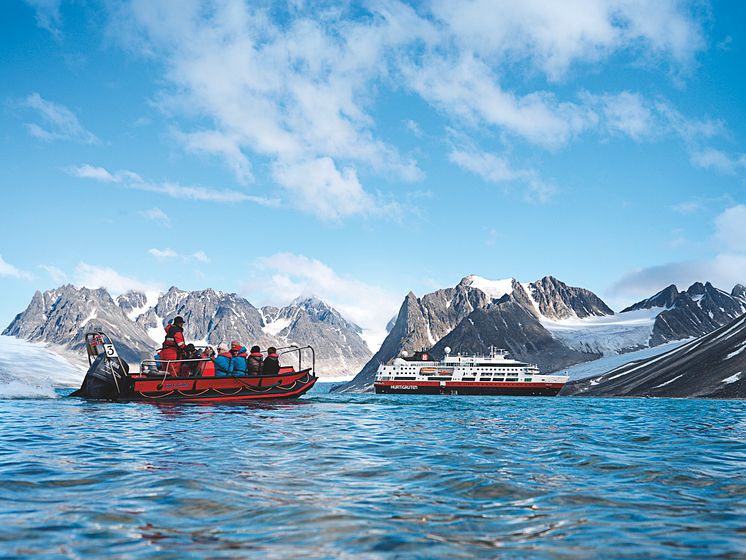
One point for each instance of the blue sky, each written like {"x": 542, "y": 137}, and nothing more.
{"x": 359, "y": 151}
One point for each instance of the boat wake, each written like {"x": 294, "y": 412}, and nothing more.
{"x": 31, "y": 370}
{"x": 12, "y": 387}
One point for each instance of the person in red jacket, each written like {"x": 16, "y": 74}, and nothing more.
{"x": 173, "y": 346}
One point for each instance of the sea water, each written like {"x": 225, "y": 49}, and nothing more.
{"x": 366, "y": 476}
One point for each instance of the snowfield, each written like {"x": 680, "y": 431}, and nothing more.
{"x": 494, "y": 289}
{"x": 608, "y": 363}
{"x": 607, "y": 335}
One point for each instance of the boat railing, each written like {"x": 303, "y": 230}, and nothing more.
{"x": 293, "y": 348}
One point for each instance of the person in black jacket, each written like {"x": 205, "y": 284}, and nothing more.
{"x": 271, "y": 365}
{"x": 254, "y": 362}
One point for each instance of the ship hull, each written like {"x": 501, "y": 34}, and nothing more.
{"x": 465, "y": 388}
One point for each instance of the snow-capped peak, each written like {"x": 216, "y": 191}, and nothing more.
{"x": 494, "y": 289}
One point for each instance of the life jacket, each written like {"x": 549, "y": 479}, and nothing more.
{"x": 174, "y": 337}
{"x": 254, "y": 363}
{"x": 207, "y": 368}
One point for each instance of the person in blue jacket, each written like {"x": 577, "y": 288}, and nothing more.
{"x": 223, "y": 361}
{"x": 239, "y": 358}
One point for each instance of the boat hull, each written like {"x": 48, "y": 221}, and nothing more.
{"x": 466, "y": 388}
{"x": 230, "y": 389}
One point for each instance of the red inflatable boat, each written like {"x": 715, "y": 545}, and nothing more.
{"x": 109, "y": 378}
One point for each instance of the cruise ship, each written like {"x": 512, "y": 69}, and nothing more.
{"x": 496, "y": 374}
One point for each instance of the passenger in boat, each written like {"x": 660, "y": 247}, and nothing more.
{"x": 254, "y": 362}
{"x": 173, "y": 345}
{"x": 271, "y": 365}
{"x": 224, "y": 361}
{"x": 189, "y": 368}
{"x": 239, "y": 358}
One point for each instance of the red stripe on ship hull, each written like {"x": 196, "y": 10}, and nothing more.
{"x": 469, "y": 388}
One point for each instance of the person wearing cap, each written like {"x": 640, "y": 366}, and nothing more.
{"x": 173, "y": 345}
{"x": 271, "y": 365}
{"x": 239, "y": 358}
{"x": 254, "y": 362}
{"x": 223, "y": 361}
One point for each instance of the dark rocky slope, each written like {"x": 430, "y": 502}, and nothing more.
{"x": 712, "y": 366}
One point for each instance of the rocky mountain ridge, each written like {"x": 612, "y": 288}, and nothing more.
{"x": 63, "y": 315}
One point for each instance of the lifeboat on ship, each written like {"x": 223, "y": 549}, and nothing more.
{"x": 109, "y": 378}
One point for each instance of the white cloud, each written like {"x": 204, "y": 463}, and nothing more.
{"x": 626, "y": 112}
{"x": 724, "y": 269}
{"x": 553, "y": 36}
{"x": 163, "y": 253}
{"x": 132, "y": 180}
{"x": 318, "y": 186}
{"x": 156, "y": 215}
{"x": 93, "y": 276}
{"x": 472, "y": 91}
{"x": 57, "y": 122}
{"x": 285, "y": 276}
{"x": 295, "y": 91}
{"x": 199, "y": 256}
{"x": 710, "y": 158}
{"x": 7, "y": 270}
{"x": 217, "y": 143}
{"x": 57, "y": 275}
{"x": 730, "y": 229}
{"x": 48, "y": 15}
{"x": 689, "y": 207}
{"x": 497, "y": 169}
{"x": 413, "y": 127}
{"x": 298, "y": 89}
{"x": 86, "y": 171}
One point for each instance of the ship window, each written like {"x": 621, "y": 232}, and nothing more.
{"x": 499, "y": 379}
{"x": 512, "y": 379}
{"x": 527, "y": 379}
{"x": 467, "y": 379}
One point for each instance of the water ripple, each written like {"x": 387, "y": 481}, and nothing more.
{"x": 374, "y": 476}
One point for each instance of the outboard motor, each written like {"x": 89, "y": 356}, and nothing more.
{"x": 104, "y": 379}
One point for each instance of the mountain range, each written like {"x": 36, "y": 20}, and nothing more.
{"x": 136, "y": 323}
{"x": 547, "y": 322}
